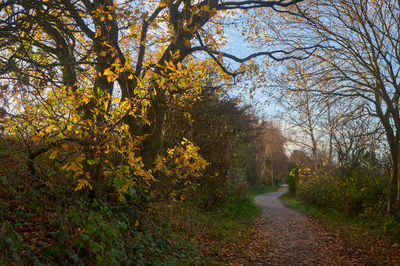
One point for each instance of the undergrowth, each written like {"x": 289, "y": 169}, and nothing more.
{"x": 41, "y": 223}
{"x": 227, "y": 225}
{"x": 355, "y": 197}
{"x": 356, "y": 226}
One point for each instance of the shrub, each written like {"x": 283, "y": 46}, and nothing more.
{"x": 392, "y": 226}
{"x": 292, "y": 179}
{"x": 357, "y": 193}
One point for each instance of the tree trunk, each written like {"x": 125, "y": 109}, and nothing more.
{"x": 107, "y": 36}
{"x": 331, "y": 132}
{"x": 396, "y": 179}
{"x": 152, "y": 144}
{"x": 394, "y": 196}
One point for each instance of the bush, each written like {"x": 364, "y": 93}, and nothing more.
{"x": 292, "y": 179}
{"x": 316, "y": 190}
{"x": 225, "y": 134}
{"x": 356, "y": 194}
{"x": 392, "y": 226}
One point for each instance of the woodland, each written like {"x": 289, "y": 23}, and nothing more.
{"x": 123, "y": 140}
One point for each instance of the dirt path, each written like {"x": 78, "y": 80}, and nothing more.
{"x": 284, "y": 236}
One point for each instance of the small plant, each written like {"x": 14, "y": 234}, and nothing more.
{"x": 292, "y": 179}
{"x": 10, "y": 240}
{"x": 391, "y": 227}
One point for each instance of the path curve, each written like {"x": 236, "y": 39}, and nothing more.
{"x": 284, "y": 236}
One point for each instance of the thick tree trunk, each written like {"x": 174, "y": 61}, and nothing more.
{"x": 393, "y": 139}
{"x": 152, "y": 144}
{"x": 394, "y": 196}
{"x": 184, "y": 31}
{"x": 106, "y": 37}
{"x": 396, "y": 179}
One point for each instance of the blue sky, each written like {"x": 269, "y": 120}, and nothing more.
{"x": 261, "y": 102}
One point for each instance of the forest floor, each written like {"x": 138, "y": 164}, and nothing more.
{"x": 285, "y": 236}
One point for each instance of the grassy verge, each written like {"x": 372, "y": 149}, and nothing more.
{"x": 238, "y": 212}
{"x": 224, "y": 222}
{"x": 262, "y": 190}
{"x": 328, "y": 216}
{"x": 372, "y": 237}
{"x": 224, "y": 230}
{"x": 230, "y": 225}
{"x": 357, "y": 228}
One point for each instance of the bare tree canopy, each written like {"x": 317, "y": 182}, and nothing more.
{"x": 358, "y": 53}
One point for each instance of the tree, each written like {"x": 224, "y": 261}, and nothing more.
{"x": 275, "y": 162}
{"x": 311, "y": 114}
{"x": 94, "y": 79}
{"x": 358, "y": 49}
{"x": 225, "y": 134}
{"x": 301, "y": 158}
{"x": 356, "y": 142}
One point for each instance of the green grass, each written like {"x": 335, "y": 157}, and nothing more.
{"x": 238, "y": 212}
{"x": 262, "y": 190}
{"x": 228, "y": 222}
{"x": 328, "y": 216}
{"x": 293, "y": 202}
{"x": 227, "y": 226}
{"x": 385, "y": 226}
{"x": 242, "y": 208}
{"x": 360, "y": 231}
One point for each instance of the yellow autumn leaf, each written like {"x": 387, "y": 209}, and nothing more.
{"x": 38, "y": 136}
{"x": 163, "y": 3}
{"x": 83, "y": 183}
{"x": 121, "y": 197}
{"x": 124, "y": 188}
{"x": 113, "y": 8}
{"x": 108, "y": 72}
{"x": 65, "y": 146}
{"x": 49, "y": 129}
{"x": 206, "y": 8}
{"x": 73, "y": 167}
{"x": 53, "y": 154}
{"x": 110, "y": 75}
{"x": 124, "y": 127}
{"x": 85, "y": 99}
